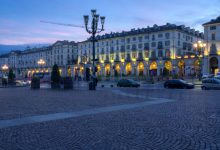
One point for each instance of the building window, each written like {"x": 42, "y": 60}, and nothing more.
{"x": 146, "y": 46}
{"x": 213, "y": 28}
{"x": 128, "y": 40}
{"x": 153, "y": 54}
{"x": 122, "y": 55}
{"x": 160, "y": 53}
{"x": 134, "y": 38}
{"x": 134, "y": 47}
{"x": 184, "y": 45}
{"x": 128, "y": 47}
{"x": 160, "y": 35}
{"x": 153, "y": 37}
{"x": 160, "y": 45}
{"x": 213, "y": 36}
{"x": 153, "y": 44}
{"x": 146, "y": 53}
{"x": 167, "y": 43}
{"x": 146, "y": 37}
{"x": 179, "y": 35}
{"x": 167, "y": 35}
{"x": 140, "y": 46}
{"x": 167, "y": 53}
{"x": 140, "y": 39}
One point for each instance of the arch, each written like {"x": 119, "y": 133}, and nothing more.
{"x": 181, "y": 66}
{"x": 141, "y": 68}
{"x": 168, "y": 65}
{"x": 98, "y": 68}
{"x": 153, "y": 65}
{"x": 128, "y": 69}
{"x": 81, "y": 69}
{"x": 69, "y": 71}
{"x": 117, "y": 69}
{"x": 153, "y": 68}
{"x": 213, "y": 65}
{"x": 107, "y": 69}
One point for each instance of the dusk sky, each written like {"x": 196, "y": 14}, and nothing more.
{"x": 20, "y": 19}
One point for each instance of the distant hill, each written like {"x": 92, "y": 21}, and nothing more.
{"x": 8, "y": 48}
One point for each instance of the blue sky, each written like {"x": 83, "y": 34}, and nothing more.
{"x": 20, "y": 19}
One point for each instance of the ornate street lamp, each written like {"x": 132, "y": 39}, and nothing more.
{"x": 199, "y": 48}
{"x": 41, "y": 62}
{"x": 94, "y": 30}
{"x": 5, "y": 67}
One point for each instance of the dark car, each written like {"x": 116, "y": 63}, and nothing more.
{"x": 178, "y": 84}
{"x": 127, "y": 83}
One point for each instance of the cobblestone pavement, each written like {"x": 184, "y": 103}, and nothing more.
{"x": 191, "y": 121}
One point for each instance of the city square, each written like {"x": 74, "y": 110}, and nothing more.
{"x": 109, "y": 118}
{"x": 109, "y": 75}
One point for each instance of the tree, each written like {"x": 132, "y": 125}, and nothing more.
{"x": 55, "y": 77}
{"x": 11, "y": 76}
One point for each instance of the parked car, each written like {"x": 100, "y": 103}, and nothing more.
{"x": 179, "y": 84}
{"x": 21, "y": 83}
{"x": 127, "y": 83}
{"x": 207, "y": 76}
{"x": 217, "y": 77}
{"x": 211, "y": 83}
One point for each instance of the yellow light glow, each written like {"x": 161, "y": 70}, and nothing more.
{"x": 107, "y": 67}
{"x": 117, "y": 67}
{"x": 168, "y": 65}
{"x": 60, "y": 70}
{"x": 112, "y": 61}
{"x": 102, "y": 61}
{"x": 140, "y": 66}
{"x": 195, "y": 45}
{"x": 218, "y": 52}
{"x": 122, "y": 60}
{"x": 5, "y": 67}
{"x": 98, "y": 68}
{"x": 192, "y": 56}
{"x": 186, "y": 56}
{"x": 153, "y": 65}
{"x": 133, "y": 59}
{"x": 206, "y": 53}
{"x": 41, "y": 62}
{"x": 178, "y": 57}
{"x": 146, "y": 59}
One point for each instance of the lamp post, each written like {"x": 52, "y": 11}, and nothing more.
{"x": 5, "y": 68}
{"x": 199, "y": 46}
{"x": 41, "y": 62}
{"x": 94, "y": 30}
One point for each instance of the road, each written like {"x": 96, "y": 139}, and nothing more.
{"x": 109, "y": 118}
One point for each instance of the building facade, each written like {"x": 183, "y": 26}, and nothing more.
{"x": 26, "y": 63}
{"x": 151, "y": 51}
{"x": 212, "y": 51}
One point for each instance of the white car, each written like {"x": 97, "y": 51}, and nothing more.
{"x": 210, "y": 83}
